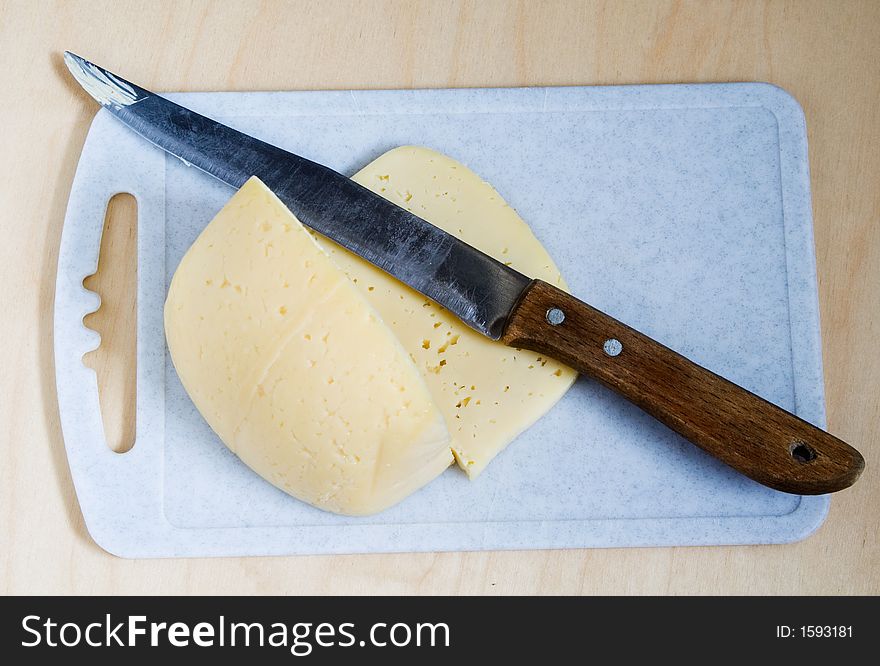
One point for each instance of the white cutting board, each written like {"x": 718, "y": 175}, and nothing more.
{"x": 683, "y": 210}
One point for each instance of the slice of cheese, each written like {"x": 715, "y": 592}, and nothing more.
{"x": 488, "y": 393}
{"x": 293, "y": 369}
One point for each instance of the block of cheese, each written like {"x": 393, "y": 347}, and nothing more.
{"x": 293, "y": 369}
{"x": 487, "y": 392}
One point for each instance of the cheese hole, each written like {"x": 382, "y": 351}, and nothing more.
{"x": 115, "y": 360}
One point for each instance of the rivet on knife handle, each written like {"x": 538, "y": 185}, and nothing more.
{"x": 753, "y": 436}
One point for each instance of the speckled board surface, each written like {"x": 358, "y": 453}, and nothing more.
{"x": 683, "y": 210}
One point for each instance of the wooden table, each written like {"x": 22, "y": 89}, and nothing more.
{"x": 827, "y": 54}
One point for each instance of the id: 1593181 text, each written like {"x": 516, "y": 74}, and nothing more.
{"x": 814, "y": 631}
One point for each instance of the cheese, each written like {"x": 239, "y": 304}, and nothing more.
{"x": 488, "y": 393}
{"x": 293, "y": 369}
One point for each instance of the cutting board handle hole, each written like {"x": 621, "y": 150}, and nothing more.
{"x": 115, "y": 360}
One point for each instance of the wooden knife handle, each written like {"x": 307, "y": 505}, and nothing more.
{"x": 756, "y": 438}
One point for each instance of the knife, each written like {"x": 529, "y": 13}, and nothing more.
{"x": 753, "y": 436}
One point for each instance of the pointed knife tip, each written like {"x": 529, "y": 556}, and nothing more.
{"x": 105, "y": 87}
{"x": 78, "y": 67}
{"x": 71, "y": 60}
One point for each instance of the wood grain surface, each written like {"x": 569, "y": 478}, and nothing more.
{"x": 826, "y": 53}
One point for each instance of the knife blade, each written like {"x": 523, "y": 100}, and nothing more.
{"x": 750, "y": 434}
{"x": 472, "y": 285}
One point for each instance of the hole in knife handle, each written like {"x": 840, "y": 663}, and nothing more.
{"x": 802, "y": 452}
{"x": 115, "y": 360}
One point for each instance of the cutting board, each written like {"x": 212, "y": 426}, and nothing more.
{"x": 683, "y": 210}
